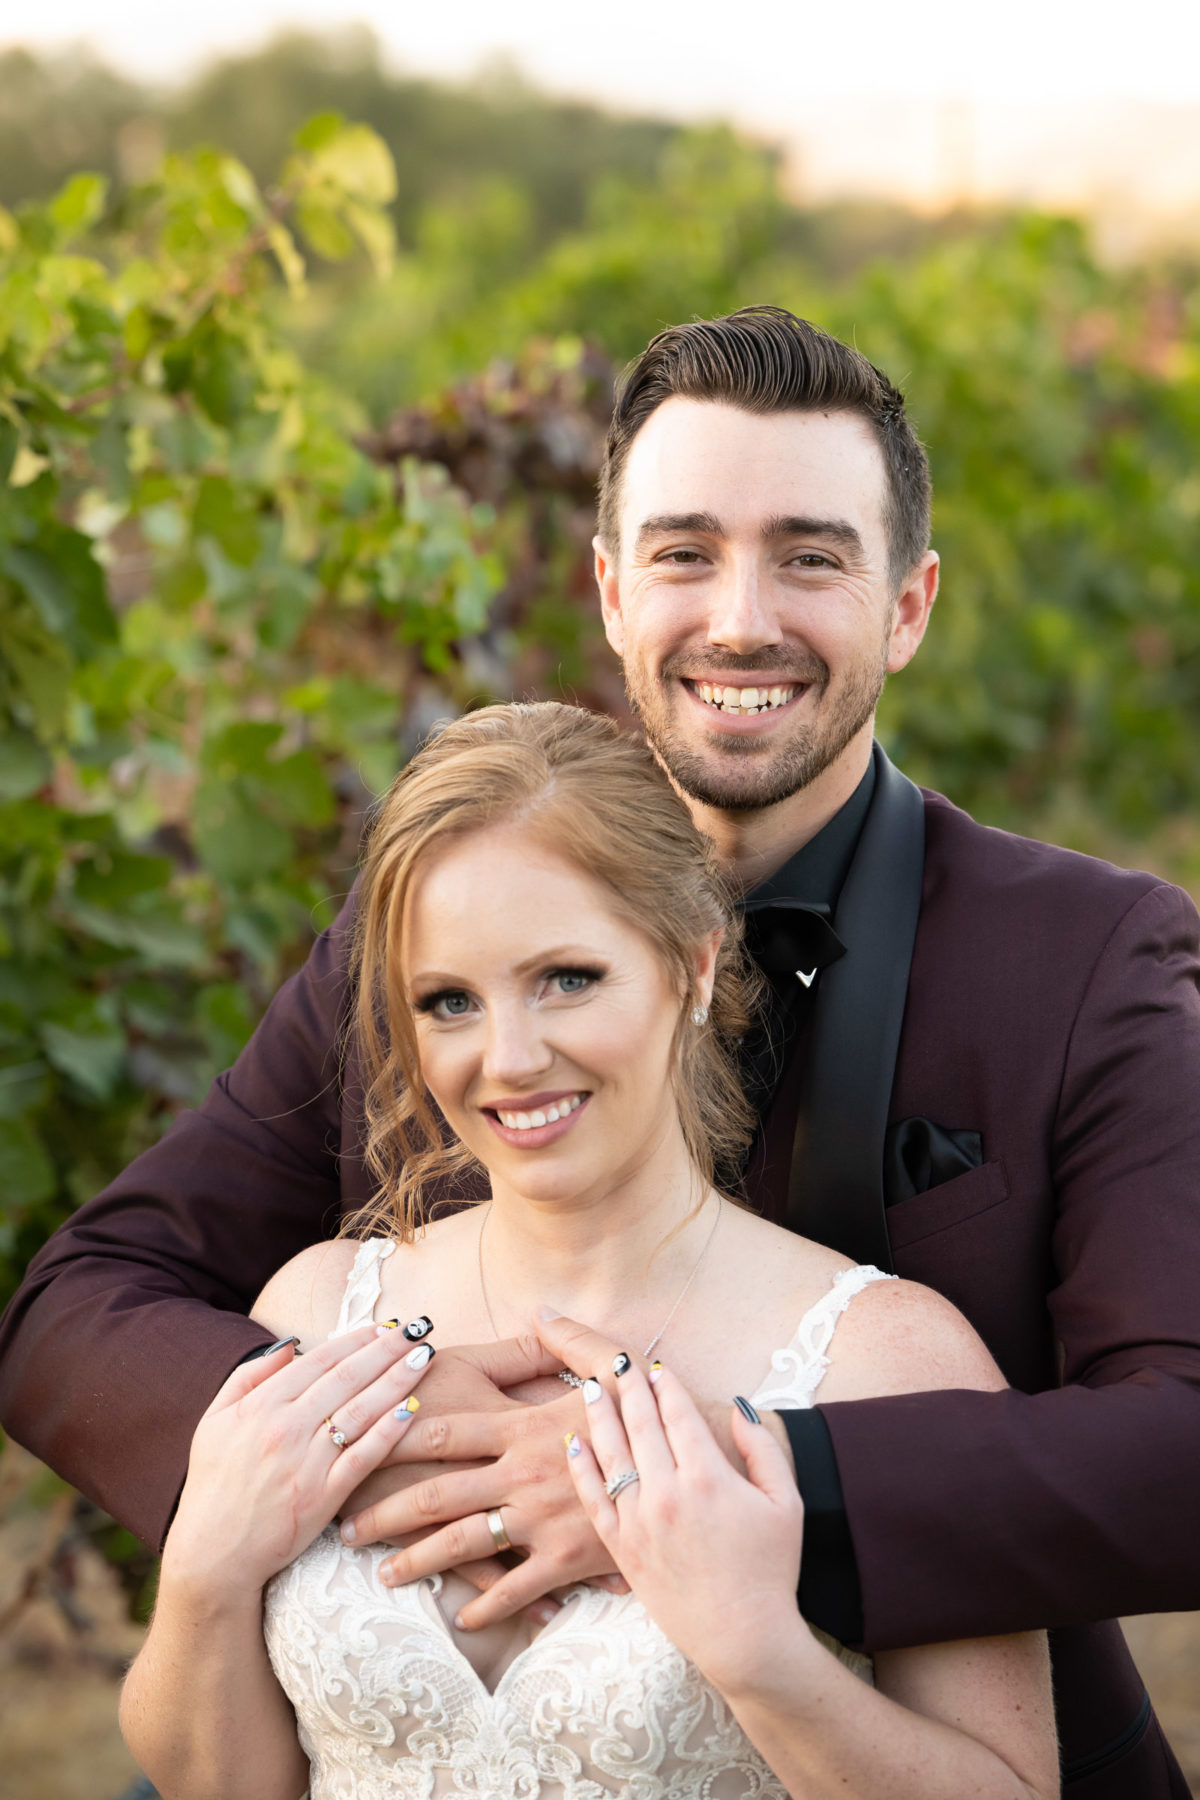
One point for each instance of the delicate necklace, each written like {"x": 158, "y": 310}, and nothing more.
{"x": 568, "y": 1375}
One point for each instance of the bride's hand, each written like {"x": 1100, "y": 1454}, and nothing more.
{"x": 713, "y": 1556}
{"x": 266, "y": 1475}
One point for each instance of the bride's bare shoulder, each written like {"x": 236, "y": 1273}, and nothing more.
{"x": 897, "y": 1337}
{"x": 302, "y": 1299}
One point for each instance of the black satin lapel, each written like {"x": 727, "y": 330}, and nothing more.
{"x": 835, "y": 1190}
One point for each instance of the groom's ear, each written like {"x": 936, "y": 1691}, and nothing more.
{"x": 610, "y": 599}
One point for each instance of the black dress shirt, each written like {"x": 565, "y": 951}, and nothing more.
{"x": 791, "y": 930}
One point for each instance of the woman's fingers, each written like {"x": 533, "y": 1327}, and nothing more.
{"x": 649, "y": 1450}
{"x": 607, "y": 1433}
{"x": 766, "y": 1465}
{"x": 359, "y": 1411}
{"x": 249, "y": 1375}
{"x": 357, "y": 1460}
{"x": 687, "y": 1432}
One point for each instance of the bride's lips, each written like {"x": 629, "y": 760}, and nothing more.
{"x": 534, "y": 1137}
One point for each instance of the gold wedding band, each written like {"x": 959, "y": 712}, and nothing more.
{"x": 500, "y": 1537}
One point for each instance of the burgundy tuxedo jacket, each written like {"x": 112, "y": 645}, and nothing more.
{"x": 1053, "y": 1008}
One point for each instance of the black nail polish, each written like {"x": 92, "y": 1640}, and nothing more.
{"x": 417, "y": 1329}
{"x": 746, "y": 1410}
{"x": 621, "y": 1362}
{"x": 270, "y": 1349}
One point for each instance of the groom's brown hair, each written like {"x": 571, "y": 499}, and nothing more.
{"x": 766, "y": 360}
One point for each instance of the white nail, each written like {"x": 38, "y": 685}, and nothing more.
{"x": 416, "y": 1359}
{"x": 592, "y": 1391}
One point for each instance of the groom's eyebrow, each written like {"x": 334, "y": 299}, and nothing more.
{"x": 833, "y": 531}
{"x": 661, "y": 524}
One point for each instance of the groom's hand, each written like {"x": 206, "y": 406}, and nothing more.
{"x": 493, "y": 1453}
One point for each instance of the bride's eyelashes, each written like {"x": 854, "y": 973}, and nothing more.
{"x": 448, "y": 1004}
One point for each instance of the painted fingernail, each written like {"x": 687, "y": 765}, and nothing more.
{"x": 542, "y": 1615}
{"x": 746, "y": 1410}
{"x": 270, "y": 1349}
{"x": 418, "y": 1328}
{"x": 546, "y": 1313}
{"x": 409, "y": 1406}
{"x": 592, "y": 1391}
{"x": 348, "y": 1532}
{"x": 621, "y": 1362}
{"x": 424, "y": 1353}
{"x": 386, "y": 1325}
{"x": 573, "y": 1444}
{"x": 656, "y": 1369}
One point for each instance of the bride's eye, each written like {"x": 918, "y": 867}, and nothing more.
{"x": 451, "y": 1003}
{"x": 574, "y": 981}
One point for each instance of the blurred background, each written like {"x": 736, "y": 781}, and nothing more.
{"x": 308, "y": 334}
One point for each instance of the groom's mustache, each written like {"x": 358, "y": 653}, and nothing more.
{"x": 803, "y": 671}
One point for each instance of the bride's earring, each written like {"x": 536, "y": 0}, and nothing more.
{"x": 700, "y": 1015}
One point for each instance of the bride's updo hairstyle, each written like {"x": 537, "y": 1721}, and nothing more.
{"x": 597, "y": 799}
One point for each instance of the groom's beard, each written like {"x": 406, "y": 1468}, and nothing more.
{"x": 746, "y": 774}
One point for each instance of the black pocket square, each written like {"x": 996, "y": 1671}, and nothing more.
{"x": 919, "y": 1155}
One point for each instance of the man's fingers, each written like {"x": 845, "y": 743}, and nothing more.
{"x": 446, "y": 1498}
{"x": 485, "y": 1575}
{"x": 465, "y": 1541}
{"x": 526, "y": 1587}
{"x": 512, "y": 1360}
{"x": 458, "y": 1437}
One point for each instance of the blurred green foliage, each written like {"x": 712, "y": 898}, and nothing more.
{"x": 290, "y": 464}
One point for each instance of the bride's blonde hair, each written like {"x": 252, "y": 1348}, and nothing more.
{"x": 597, "y": 799}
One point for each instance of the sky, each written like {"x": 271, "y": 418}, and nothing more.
{"x": 938, "y": 98}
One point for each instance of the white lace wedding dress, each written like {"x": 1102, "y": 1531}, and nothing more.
{"x": 599, "y": 1704}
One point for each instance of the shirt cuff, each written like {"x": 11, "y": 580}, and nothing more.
{"x": 830, "y": 1593}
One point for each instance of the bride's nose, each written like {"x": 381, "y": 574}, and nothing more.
{"x": 515, "y": 1045}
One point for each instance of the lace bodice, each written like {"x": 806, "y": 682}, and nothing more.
{"x": 599, "y": 1704}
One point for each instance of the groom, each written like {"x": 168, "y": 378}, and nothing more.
{"x": 979, "y": 1068}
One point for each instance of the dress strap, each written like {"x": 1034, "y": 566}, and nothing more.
{"x": 363, "y": 1285}
{"x": 796, "y": 1371}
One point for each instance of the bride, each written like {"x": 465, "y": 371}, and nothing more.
{"x": 547, "y": 964}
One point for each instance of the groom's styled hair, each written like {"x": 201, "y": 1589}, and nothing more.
{"x": 766, "y": 360}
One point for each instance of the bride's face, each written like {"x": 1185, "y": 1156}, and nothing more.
{"x": 544, "y": 1021}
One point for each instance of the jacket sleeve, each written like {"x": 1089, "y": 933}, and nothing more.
{"x": 976, "y": 1513}
{"x": 133, "y": 1313}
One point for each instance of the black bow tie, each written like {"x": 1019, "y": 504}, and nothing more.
{"x": 791, "y": 939}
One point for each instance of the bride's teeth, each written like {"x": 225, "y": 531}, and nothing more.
{"x": 537, "y": 1118}
{"x": 552, "y": 1115}
{"x": 522, "y": 1121}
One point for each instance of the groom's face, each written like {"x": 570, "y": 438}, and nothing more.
{"x": 750, "y": 598}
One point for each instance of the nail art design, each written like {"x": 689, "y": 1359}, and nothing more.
{"x": 591, "y": 1391}
{"x": 385, "y": 1326}
{"x": 418, "y": 1328}
{"x": 621, "y": 1362}
{"x": 746, "y": 1410}
{"x": 573, "y": 1444}
{"x": 656, "y": 1370}
{"x": 424, "y": 1353}
{"x": 270, "y": 1349}
{"x": 410, "y": 1405}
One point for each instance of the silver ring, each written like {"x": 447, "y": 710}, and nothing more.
{"x": 620, "y": 1482}
{"x": 495, "y": 1525}
{"x": 570, "y": 1377}
{"x": 339, "y": 1437}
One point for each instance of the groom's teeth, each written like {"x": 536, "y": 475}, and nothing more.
{"x": 743, "y": 701}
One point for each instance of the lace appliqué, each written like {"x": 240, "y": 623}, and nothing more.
{"x": 803, "y": 1362}
{"x": 363, "y": 1285}
{"x": 599, "y": 1705}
